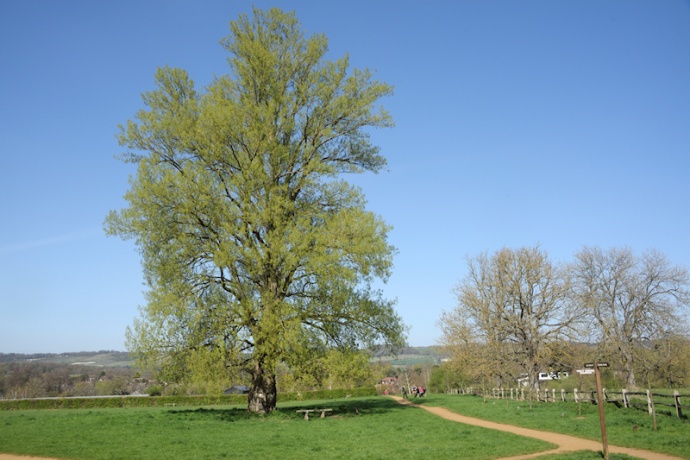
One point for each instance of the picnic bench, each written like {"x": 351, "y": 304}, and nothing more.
{"x": 307, "y": 411}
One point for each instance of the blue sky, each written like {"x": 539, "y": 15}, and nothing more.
{"x": 518, "y": 123}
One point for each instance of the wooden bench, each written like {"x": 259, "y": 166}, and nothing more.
{"x": 307, "y": 411}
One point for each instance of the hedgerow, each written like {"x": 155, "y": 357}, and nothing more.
{"x": 162, "y": 401}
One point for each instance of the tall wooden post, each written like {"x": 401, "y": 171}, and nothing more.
{"x": 600, "y": 403}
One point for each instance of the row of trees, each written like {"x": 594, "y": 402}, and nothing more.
{"x": 520, "y": 313}
{"x": 20, "y": 380}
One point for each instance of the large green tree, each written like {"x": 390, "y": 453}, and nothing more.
{"x": 252, "y": 243}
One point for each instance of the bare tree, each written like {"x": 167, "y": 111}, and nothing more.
{"x": 631, "y": 299}
{"x": 513, "y": 307}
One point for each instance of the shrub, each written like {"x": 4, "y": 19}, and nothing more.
{"x": 180, "y": 400}
{"x": 154, "y": 390}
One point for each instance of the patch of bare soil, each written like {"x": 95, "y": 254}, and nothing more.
{"x": 564, "y": 442}
{"x": 23, "y": 457}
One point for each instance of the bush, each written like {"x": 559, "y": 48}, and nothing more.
{"x": 180, "y": 400}
{"x": 154, "y": 390}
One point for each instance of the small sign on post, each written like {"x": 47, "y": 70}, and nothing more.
{"x": 585, "y": 371}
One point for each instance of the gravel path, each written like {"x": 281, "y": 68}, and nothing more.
{"x": 564, "y": 442}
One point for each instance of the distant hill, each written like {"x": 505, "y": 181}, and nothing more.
{"x": 103, "y": 358}
{"x": 410, "y": 356}
{"x": 407, "y": 356}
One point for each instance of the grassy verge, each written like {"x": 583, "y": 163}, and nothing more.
{"x": 379, "y": 428}
{"x": 625, "y": 427}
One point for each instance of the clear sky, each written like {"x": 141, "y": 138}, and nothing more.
{"x": 522, "y": 122}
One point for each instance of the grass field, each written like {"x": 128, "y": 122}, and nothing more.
{"x": 382, "y": 429}
{"x": 672, "y": 435}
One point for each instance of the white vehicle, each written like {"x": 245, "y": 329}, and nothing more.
{"x": 543, "y": 377}
{"x": 552, "y": 375}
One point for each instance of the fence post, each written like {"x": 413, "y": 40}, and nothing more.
{"x": 575, "y": 395}
{"x": 650, "y": 402}
{"x": 553, "y": 393}
{"x": 652, "y": 412}
{"x": 522, "y": 394}
{"x": 562, "y": 395}
{"x": 676, "y": 401}
{"x": 606, "y": 396}
{"x": 626, "y": 403}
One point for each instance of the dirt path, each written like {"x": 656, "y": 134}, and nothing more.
{"x": 564, "y": 442}
{"x": 23, "y": 457}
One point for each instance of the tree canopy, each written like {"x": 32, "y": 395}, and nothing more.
{"x": 519, "y": 313}
{"x": 513, "y": 310}
{"x": 634, "y": 301}
{"x": 253, "y": 245}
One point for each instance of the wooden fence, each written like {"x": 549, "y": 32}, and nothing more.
{"x": 622, "y": 398}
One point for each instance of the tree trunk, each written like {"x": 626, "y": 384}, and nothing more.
{"x": 628, "y": 369}
{"x": 262, "y": 393}
{"x": 630, "y": 377}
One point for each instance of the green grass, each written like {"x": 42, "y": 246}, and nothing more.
{"x": 565, "y": 417}
{"x": 383, "y": 429}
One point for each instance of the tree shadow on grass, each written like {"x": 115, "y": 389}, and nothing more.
{"x": 288, "y": 410}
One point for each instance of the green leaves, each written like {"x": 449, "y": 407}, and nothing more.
{"x": 248, "y": 238}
